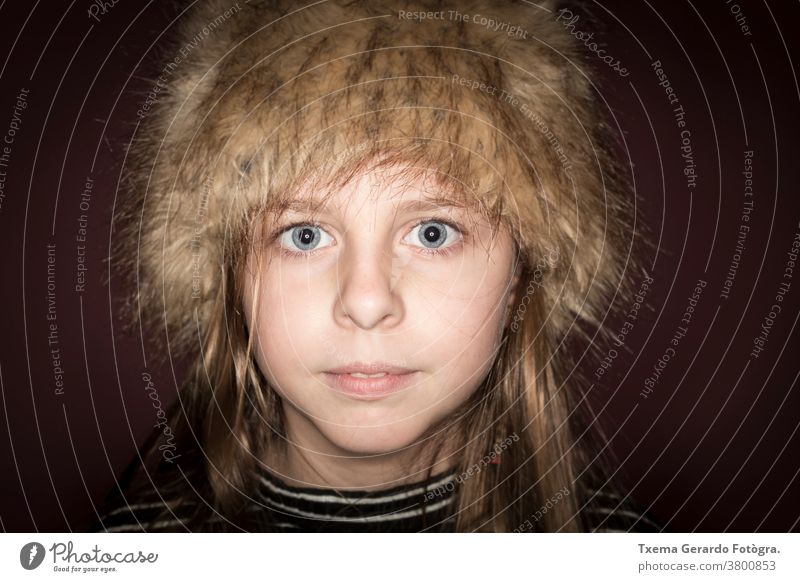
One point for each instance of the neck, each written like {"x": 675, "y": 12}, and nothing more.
{"x": 309, "y": 459}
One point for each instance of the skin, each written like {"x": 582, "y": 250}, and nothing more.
{"x": 371, "y": 290}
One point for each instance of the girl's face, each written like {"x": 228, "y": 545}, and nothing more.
{"x": 381, "y": 282}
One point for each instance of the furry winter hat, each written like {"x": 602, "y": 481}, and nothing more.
{"x": 258, "y": 98}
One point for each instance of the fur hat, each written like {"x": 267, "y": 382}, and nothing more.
{"x": 258, "y": 98}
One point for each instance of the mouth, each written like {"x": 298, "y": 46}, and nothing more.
{"x": 369, "y": 381}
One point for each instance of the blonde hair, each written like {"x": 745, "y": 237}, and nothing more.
{"x": 275, "y": 96}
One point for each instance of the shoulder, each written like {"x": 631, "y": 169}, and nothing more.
{"x": 164, "y": 499}
{"x": 143, "y": 515}
{"x": 607, "y": 511}
{"x": 189, "y": 511}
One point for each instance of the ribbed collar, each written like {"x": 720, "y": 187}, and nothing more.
{"x": 421, "y": 506}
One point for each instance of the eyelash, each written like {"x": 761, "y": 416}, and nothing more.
{"x": 288, "y": 252}
{"x": 296, "y": 254}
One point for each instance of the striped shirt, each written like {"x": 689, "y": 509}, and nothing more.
{"x": 427, "y": 506}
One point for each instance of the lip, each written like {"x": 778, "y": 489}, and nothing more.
{"x": 369, "y": 368}
{"x": 395, "y": 379}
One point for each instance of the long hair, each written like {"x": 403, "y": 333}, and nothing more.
{"x": 256, "y": 100}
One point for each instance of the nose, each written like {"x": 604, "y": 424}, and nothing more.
{"x": 367, "y": 291}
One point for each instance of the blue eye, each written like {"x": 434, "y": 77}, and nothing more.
{"x": 433, "y": 234}
{"x": 304, "y": 237}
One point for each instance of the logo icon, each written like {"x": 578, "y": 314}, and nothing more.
{"x": 31, "y": 555}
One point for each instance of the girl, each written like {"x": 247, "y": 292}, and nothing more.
{"x": 372, "y": 226}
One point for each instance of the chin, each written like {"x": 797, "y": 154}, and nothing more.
{"x": 374, "y": 440}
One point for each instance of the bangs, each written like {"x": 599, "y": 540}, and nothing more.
{"x": 312, "y": 194}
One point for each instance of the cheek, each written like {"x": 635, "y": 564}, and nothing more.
{"x": 292, "y": 315}
{"x": 460, "y": 307}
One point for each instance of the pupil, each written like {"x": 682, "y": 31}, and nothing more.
{"x": 304, "y": 237}
{"x": 432, "y": 235}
